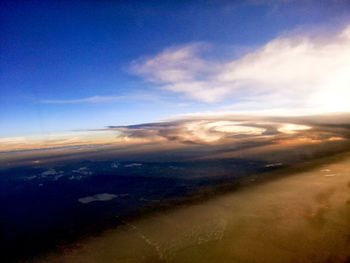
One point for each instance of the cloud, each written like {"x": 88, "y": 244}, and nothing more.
{"x": 104, "y": 99}
{"x": 182, "y": 70}
{"x": 82, "y": 140}
{"x": 300, "y": 71}
{"x": 242, "y": 129}
{"x": 94, "y": 99}
{"x": 97, "y": 197}
{"x": 177, "y": 64}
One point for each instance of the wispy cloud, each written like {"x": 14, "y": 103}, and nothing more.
{"x": 291, "y": 72}
{"x": 104, "y": 99}
{"x": 182, "y": 70}
{"x": 94, "y": 99}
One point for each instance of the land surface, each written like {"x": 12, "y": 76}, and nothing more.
{"x": 304, "y": 217}
{"x": 254, "y": 189}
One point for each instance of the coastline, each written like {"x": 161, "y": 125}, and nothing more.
{"x": 151, "y": 214}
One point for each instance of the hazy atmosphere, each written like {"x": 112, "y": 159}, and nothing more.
{"x": 175, "y": 131}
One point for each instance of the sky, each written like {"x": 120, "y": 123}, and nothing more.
{"x": 78, "y": 65}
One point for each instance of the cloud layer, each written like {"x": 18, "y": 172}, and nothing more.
{"x": 304, "y": 72}
{"x": 231, "y": 129}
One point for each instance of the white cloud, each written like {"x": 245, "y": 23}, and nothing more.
{"x": 182, "y": 70}
{"x": 290, "y": 72}
{"x": 97, "y": 197}
{"x": 291, "y": 128}
{"x": 180, "y": 64}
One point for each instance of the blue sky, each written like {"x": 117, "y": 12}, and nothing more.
{"x": 70, "y": 65}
